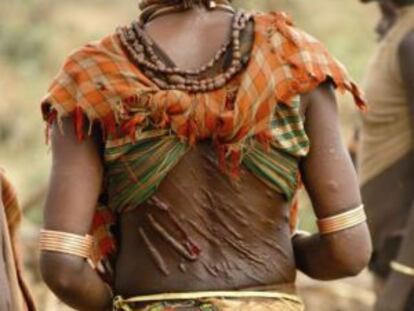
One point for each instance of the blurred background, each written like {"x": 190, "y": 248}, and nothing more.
{"x": 36, "y": 36}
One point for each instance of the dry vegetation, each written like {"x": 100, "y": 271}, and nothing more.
{"x": 35, "y": 36}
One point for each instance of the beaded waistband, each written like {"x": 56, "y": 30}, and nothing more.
{"x": 205, "y": 295}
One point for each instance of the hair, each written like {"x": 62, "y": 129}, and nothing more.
{"x": 143, "y": 4}
{"x": 388, "y": 8}
{"x": 403, "y": 2}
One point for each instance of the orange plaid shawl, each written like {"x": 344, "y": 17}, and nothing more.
{"x": 100, "y": 82}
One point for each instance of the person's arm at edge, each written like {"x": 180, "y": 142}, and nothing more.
{"x": 75, "y": 185}
{"x": 399, "y": 285}
{"x": 331, "y": 182}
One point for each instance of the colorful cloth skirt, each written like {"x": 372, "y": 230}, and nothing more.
{"x": 212, "y": 301}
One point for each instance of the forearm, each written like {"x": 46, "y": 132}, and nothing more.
{"x": 75, "y": 282}
{"x": 333, "y": 256}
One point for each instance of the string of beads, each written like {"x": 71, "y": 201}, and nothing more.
{"x": 140, "y": 48}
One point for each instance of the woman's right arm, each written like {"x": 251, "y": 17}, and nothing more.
{"x": 330, "y": 179}
{"x": 75, "y": 185}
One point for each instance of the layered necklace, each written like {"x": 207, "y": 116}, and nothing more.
{"x": 141, "y": 49}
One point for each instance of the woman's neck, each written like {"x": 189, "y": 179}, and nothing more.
{"x": 156, "y": 11}
{"x": 187, "y": 18}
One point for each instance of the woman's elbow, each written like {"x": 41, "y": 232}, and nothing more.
{"x": 352, "y": 266}
{"x": 62, "y": 274}
{"x": 353, "y": 254}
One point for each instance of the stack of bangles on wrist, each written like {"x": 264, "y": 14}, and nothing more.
{"x": 340, "y": 222}
{"x": 402, "y": 269}
{"x": 66, "y": 243}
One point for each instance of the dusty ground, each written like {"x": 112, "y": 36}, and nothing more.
{"x": 352, "y": 294}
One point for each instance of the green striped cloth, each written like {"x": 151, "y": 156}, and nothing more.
{"x": 136, "y": 167}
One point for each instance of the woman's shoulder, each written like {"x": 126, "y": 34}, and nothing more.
{"x": 77, "y": 82}
{"x": 91, "y": 82}
{"x": 300, "y": 61}
{"x": 279, "y": 31}
{"x": 279, "y": 23}
{"x": 104, "y": 49}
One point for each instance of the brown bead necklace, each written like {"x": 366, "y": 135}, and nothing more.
{"x": 140, "y": 48}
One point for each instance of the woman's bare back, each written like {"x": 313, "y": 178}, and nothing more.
{"x": 203, "y": 231}
{"x": 241, "y": 229}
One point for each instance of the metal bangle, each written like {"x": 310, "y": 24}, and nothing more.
{"x": 402, "y": 269}
{"x": 342, "y": 221}
{"x": 66, "y": 243}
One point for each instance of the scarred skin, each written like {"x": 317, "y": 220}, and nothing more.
{"x": 240, "y": 228}
{"x": 399, "y": 182}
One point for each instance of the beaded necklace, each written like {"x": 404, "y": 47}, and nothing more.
{"x": 140, "y": 48}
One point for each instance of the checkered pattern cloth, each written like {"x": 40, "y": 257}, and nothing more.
{"x": 260, "y": 127}
{"x": 11, "y": 205}
{"x": 11, "y": 260}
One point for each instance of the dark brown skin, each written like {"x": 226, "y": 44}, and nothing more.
{"x": 75, "y": 183}
{"x": 241, "y": 228}
{"x": 398, "y": 287}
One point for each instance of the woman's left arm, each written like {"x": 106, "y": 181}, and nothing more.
{"x": 75, "y": 185}
{"x": 399, "y": 287}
